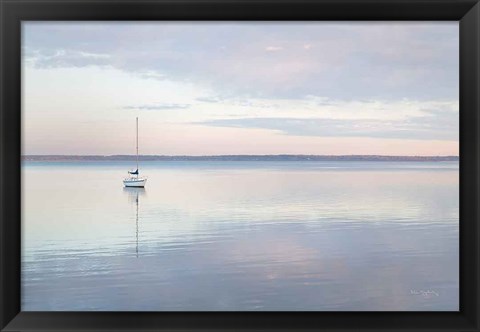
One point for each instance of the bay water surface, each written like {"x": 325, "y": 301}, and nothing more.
{"x": 241, "y": 235}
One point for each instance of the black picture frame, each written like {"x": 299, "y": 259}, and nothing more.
{"x": 13, "y": 12}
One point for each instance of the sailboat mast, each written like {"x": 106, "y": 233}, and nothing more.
{"x": 137, "y": 146}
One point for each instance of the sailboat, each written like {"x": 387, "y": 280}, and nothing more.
{"x": 133, "y": 179}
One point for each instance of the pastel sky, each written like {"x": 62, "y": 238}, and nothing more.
{"x": 210, "y": 88}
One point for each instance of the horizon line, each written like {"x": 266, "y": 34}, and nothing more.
{"x": 237, "y": 155}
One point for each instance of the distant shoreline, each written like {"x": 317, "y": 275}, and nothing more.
{"x": 282, "y": 157}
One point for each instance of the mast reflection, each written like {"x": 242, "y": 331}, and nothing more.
{"x": 133, "y": 197}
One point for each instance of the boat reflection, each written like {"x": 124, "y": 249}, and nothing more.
{"x": 133, "y": 197}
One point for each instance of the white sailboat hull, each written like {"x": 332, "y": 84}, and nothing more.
{"x": 135, "y": 182}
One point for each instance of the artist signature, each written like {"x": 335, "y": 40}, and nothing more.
{"x": 424, "y": 293}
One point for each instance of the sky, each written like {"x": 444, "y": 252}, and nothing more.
{"x": 215, "y": 88}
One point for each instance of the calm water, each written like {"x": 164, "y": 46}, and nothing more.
{"x": 241, "y": 236}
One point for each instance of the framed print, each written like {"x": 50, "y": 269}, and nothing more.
{"x": 239, "y": 165}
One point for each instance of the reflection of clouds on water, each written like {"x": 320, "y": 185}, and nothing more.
{"x": 279, "y": 197}
{"x": 274, "y": 267}
{"x": 251, "y": 239}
